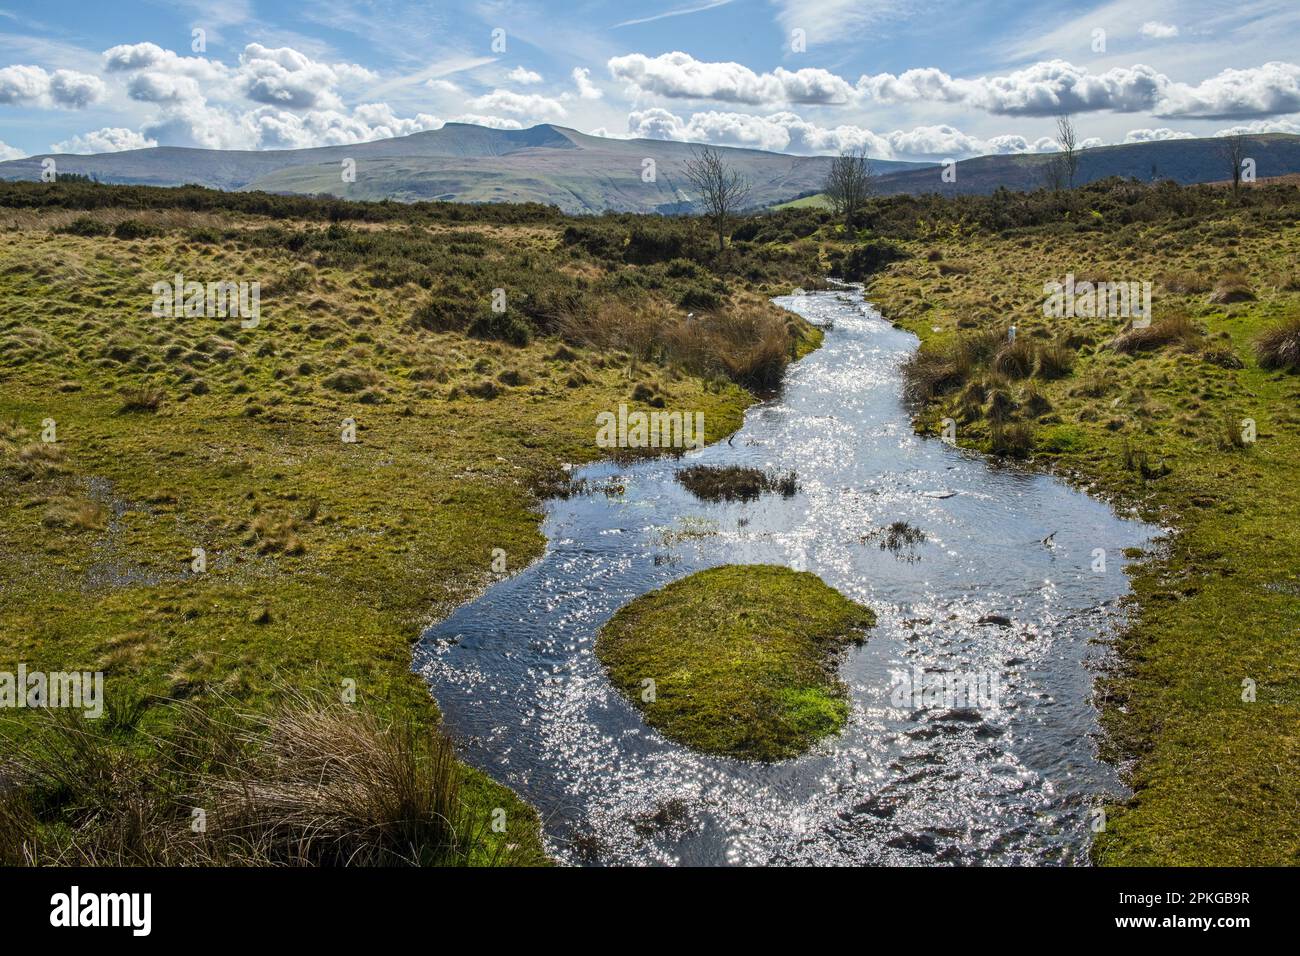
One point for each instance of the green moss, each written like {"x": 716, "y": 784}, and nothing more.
{"x": 742, "y": 658}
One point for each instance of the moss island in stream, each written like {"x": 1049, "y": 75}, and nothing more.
{"x": 743, "y": 659}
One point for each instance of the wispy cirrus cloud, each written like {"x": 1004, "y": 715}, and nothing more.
{"x": 675, "y": 12}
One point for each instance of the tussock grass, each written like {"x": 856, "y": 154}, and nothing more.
{"x": 1176, "y": 330}
{"x": 1015, "y": 359}
{"x": 1279, "y": 347}
{"x": 308, "y": 783}
{"x": 142, "y": 399}
{"x": 930, "y": 373}
{"x": 750, "y": 347}
{"x": 896, "y": 537}
{"x": 1012, "y": 440}
{"x": 1232, "y": 287}
{"x": 75, "y": 515}
{"x": 1055, "y": 360}
{"x": 1186, "y": 282}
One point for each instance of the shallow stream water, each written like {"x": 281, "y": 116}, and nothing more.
{"x": 1009, "y": 778}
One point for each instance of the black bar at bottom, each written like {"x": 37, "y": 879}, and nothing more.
{"x": 300, "y": 906}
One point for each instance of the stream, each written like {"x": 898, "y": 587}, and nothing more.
{"x": 914, "y": 779}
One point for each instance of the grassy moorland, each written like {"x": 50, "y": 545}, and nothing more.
{"x": 1151, "y": 419}
{"x": 742, "y": 658}
{"x": 231, "y": 689}
{"x": 325, "y": 558}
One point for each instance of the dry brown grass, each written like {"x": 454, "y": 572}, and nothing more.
{"x": 1185, "y": 282}
{"x": 747, "y": 343}
{"x": 1015, "y": 359}
{"x": 930, "y": 373}
{"x": 1232, "y": 287}
{"x": 1177, "y": 329}
{"x": 28, "y": 460}
{"x": 142, "y": 399}
{"x": 1279, "y": 347}
{"x": 312, "y": 783}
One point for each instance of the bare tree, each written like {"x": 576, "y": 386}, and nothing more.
{"x": 1232, "y": 150}
{"x": 722, "y": 190}
{"x": 1054, "y": 172}
{"x": 849, "y": 183}
{"x": 1068, "y": 139}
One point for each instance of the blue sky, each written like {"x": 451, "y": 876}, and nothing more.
{"x": 907, "y": 79}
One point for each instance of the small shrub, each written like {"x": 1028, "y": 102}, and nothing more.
{"x": 445, "y": 312}
{"x": 869, "y": 257}
{"x": 129, "y": 229}
{"x": 85, "y": 226}
{"x": 700, "y": 298}
{"x": 502, "y": 327}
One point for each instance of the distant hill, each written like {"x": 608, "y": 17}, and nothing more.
{"x": 548, "y": 164}
{"x": 581, "y": 173}
{"x": 1182, "y": 160}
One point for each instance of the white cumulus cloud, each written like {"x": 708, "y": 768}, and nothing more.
{"x": 1155, "y": 135}
{"x": 587, "y": 90}
{"x": 523, "y": 76}
{"x": 680, "y": 76}
{"x": 532, "y": 105}
{"x": 285, "y": 77}
{"x": 22, "y": 85}
{"x": 1267, "y": 90}
{"x": 788, "y": 132}
{"x": 110, "y": 139}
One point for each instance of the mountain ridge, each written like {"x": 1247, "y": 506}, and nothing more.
{"x": 583, "y": 173}
{"x": 460, "y": 161}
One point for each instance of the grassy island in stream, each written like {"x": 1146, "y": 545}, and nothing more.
{"x": 743, "y": 659}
